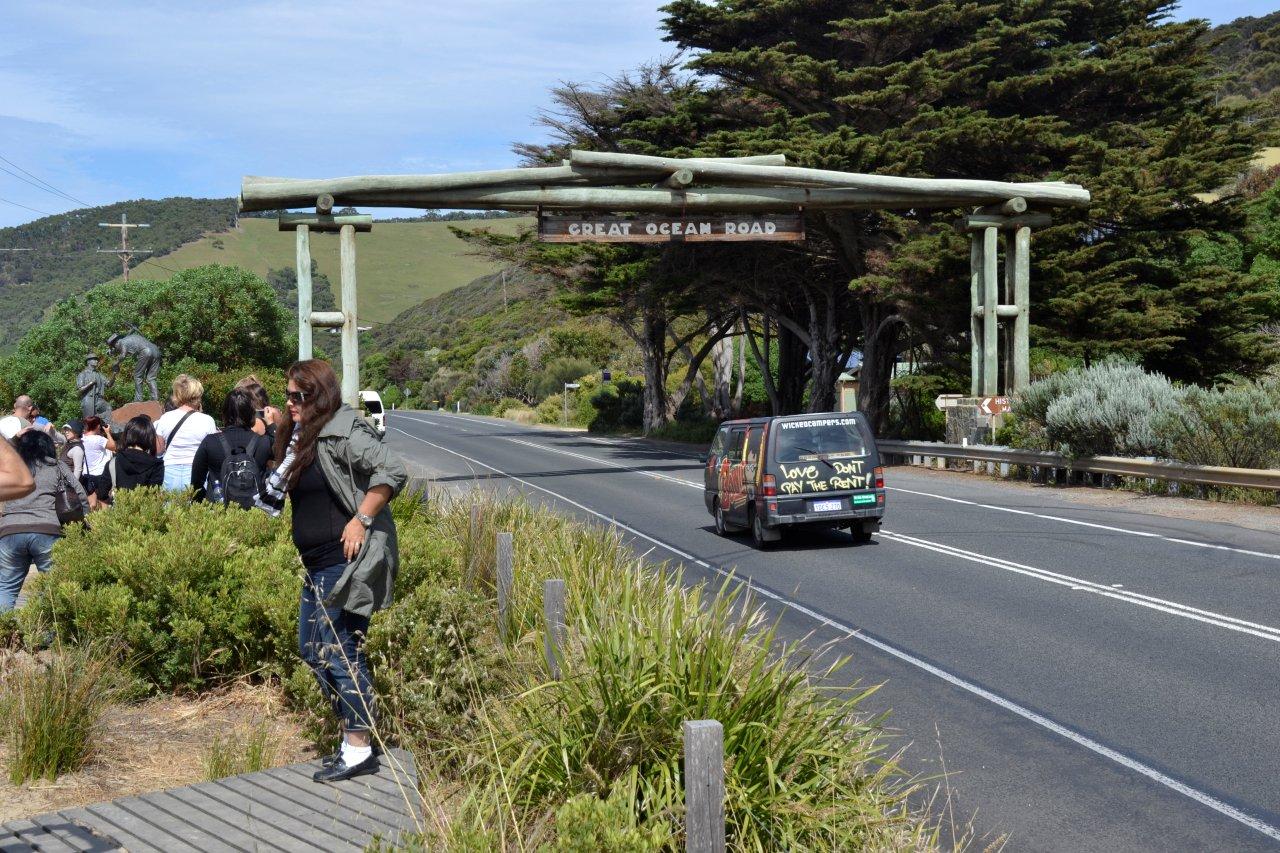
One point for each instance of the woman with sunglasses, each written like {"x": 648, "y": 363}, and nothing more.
{"x": 340, "y": 478}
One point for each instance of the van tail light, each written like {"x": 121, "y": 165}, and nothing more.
{"x": 878, "y": 473}
{"x": 769, "y": 488}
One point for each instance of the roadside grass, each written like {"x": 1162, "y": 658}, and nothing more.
{"x": 53, "y": 711}
{"x": 596, "y": 757}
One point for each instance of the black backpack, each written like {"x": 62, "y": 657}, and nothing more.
{"x": 241, "y": 478}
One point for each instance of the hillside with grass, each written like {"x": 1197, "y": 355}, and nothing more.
{"x": 398, "y": 264}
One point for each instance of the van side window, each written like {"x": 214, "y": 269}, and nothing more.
{"x": 736, "y": 440}
{"x": 717, "y": 446}
{"x": 753, "y": 445}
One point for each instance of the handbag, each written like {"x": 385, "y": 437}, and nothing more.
{"x": 66, "y": 500}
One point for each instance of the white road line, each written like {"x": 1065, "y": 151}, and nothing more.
{"x": 956, "y": 681}
{"x": 1209, "y": 617}
{"x": 1172, "y": 608}
{"x": 1094, "y": 525}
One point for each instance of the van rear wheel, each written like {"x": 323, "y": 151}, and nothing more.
{"x": 759, "y": 536}
{"x": 860, "y": 536}
{"x": 722, "y": 527}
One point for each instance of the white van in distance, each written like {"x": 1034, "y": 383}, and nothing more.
{"x": 371, "y": 404}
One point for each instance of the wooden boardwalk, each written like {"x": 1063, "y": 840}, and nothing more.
{"x": 274, "y": 810}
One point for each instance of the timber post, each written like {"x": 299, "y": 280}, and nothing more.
{"x": 988, "y": 310}
{"x": 553, "y": 615}
{"x": 704, "y": 786}
{"x": 346, "y": 227}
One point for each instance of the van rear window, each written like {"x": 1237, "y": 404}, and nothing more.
{"x": 373, "y": 407}
{"x": 831, "y": 438}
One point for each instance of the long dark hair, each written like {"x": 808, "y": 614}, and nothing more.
{"x": 237, "y": 410}
{"x": 36, "y": 449}
{"x": 140, "y": 434}
{"x": 317, "y": 381}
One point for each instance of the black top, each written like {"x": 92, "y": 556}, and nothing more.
{"x": 318, "y": 520}
{"x": 210, "y": 455}
{"x": 136, "y": 467}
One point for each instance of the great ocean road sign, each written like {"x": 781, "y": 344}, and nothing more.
{"x": 692, "y": 228}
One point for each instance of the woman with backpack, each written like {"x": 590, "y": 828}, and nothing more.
{"x": 29, "y": 526}
{"x": 182, "y": 430}
{"x": 229, "y": 465}
{"x": 340, "y": 478}
{"x": 137, "y": 464}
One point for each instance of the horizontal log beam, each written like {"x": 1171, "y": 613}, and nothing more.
{"x": 1026, "y": 220}
{"x": 926, "y": 189}
{"x": 259, "y": 193}
{"x": 328, "y": 319}
{"x": 326, "y": 223}
{"x": 708, "y": 199}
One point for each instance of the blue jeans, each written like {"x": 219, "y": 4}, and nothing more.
{"x": 177, "y": 477}
{"x": 17, "y": 552}
{"x": 331, "y": 641}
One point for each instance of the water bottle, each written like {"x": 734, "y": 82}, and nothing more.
{"x": 215, "y": 492}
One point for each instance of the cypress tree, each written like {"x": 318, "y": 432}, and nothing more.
{"x": 1110, "y": 94}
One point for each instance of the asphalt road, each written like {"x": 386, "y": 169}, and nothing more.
{"x": 1077, "y": 678}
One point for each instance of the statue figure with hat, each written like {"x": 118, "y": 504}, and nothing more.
{"x": 92, "y": 388}
{"x": 147, "y": 364}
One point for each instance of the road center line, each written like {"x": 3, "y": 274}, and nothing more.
{"x": 1092, "y": 524}
{"x": 1209, "y": 617}
{"x": 1040, "y": 720}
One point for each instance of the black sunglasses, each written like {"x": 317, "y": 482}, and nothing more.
{"x": 297, "y": 397}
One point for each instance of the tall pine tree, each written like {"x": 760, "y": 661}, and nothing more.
{"x": 1107, "y": 93}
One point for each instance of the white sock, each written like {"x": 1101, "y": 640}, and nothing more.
{"x": 353, "y": 755}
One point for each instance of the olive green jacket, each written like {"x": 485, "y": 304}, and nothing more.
{"x": 354, "y": 459}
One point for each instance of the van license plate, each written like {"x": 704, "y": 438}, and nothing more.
{"x": 828, "y": 506}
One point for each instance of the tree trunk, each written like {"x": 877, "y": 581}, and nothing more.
{"x": 881, "y": 327}
{"x": 653, "y": 348}
{"x": 741, "y": 347}
{"x": 824, "y": 353}
{"x": 792, "y": 372}
{"x": 722, "y": 373}
{"x": 762, "y": 362}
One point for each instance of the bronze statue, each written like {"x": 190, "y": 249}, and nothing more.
{"x": 92, "y": 388}
{"x": 147, "y": 365}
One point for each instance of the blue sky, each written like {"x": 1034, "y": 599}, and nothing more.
{"x": 112, "y": 101}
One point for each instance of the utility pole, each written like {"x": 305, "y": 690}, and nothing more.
{"x": 124, "y": 252}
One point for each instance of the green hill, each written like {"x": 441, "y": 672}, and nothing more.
{"x": 398, "y": 264}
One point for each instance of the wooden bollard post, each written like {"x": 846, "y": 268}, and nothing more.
{"x": 703, "y": 786}
{"x": 473, "y": 539}
{"x": 553, "y": 613}
{"x": 506, "y": 578}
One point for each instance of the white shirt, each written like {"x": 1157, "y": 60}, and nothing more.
{"x": 95, "y": 453}
{"x": 11, "y": 425}
{"x": 182, "y": 449}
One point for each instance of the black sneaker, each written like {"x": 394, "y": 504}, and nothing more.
{"x": 339, "y": 771}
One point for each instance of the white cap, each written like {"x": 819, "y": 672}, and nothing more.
{"x": 10, "y": 426}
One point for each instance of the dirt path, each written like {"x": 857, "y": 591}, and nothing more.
{"x": 159, "y": 743}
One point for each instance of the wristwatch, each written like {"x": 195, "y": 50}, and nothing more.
{"x": 365, "y": 520}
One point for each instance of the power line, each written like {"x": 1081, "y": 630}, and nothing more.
{"x": 25, "y": 207}
{"x": 57, "y": 193}
{"x": 50, "y": 186}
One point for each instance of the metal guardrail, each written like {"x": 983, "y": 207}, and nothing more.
{"x": 1202, "y": 475}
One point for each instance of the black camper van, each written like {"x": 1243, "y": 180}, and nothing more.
{"x": 769, "y": 474}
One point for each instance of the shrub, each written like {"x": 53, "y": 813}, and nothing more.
{"x": 199, "y": 592}
{"x": 558, "y": 371}
{"x": 431, "y": 653}
{"x": 700, "y": 431}
{"x": 618, "y": 406}
{"x": 1111, "y": 408}
{"x": 53, "y": 712}
{"x": 525, "y": 416}
{"x": 586, "y": 823}
{"x": 1238, "y": 426}
{"x": 551, "y": 410}
{"x": 505, "y": 405}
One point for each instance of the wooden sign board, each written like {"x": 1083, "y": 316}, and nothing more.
{"x": 994, "y": 405}
{"x": 691, "y": 228}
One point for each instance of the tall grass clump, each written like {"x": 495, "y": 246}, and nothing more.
{"x": 53, "y": 712}
{"x": 235, "y": 754}
{"x": 563, "y": 759}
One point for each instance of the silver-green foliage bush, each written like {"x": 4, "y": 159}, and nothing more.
{"x": 1238, "y": 426}
{"x": 1112, "y": 408}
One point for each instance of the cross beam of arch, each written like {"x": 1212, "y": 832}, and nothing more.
{"x": 632, "y": 183}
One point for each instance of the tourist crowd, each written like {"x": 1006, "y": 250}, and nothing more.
{"x": 318, "y": 453}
